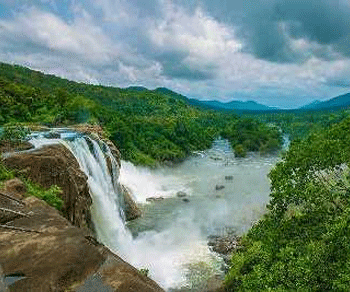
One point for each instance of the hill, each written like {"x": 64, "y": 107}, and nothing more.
{"x": 341, "y": 101}
{"x": 236, "y": 105}
{"x": 249, "y": 105}
{"x": 147, "y": 126}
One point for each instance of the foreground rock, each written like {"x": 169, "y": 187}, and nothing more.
{"x": 10, "y": 146}
{"x": 50, "y": 254}
{"x": 55, "y": 165}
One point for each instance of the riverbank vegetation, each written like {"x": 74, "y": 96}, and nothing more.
{"x": 148, "y": 126}
{"x": 303, "y": 242}
{"x": 298, "y": 124}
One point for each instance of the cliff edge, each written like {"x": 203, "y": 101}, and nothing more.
{"x": 45, "y": 250}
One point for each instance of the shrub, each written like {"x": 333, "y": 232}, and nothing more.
{"x": 50, "y": 196}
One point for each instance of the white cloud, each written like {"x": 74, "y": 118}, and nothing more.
{"x": 159, "y": 43}
{"x": 80, "y": 38}
{"x": 200, "y": 37}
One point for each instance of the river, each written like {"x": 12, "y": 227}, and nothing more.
{"x": 209, "y": 194}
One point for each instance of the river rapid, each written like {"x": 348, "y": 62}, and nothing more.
{"x": 211, "y": 193}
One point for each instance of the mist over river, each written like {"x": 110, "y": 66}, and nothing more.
{"x": 209, "y": 194}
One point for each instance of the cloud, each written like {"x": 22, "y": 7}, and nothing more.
{"x": 278, "y": 52}
{"x": 269, "y": 27}
{"x": 190, "y": 45}
{"x": 47, "y": 31}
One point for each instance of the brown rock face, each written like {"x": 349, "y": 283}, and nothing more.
{"x": 10, "y": 146}
{"x": 14, "y": 187}
{"x": 130, "y": 208}
{"x": 42, "y": 251}
{"x": 55, "y": 165}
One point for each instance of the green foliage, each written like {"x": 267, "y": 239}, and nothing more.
{"x": 299, "y": 124}
{"x": 50, "y": 196}
{"x": 14, "y": 133}
{"x": 252, "y": 135}
{"x": 303, "y": 242}
{"x": 5, "y": 174}
{"x": 240, "y": 151}
{"x": 148, "y": 126}
{"x": 144, "y": 272}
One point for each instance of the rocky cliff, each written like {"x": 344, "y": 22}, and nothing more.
{"x": 44, "y": 250}
{"x": 55, "y": 165}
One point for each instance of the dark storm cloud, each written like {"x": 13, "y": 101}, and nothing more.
{"x": 268, "y": 27}
{"x": 184, "y": 71}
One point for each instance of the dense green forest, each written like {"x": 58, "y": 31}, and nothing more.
{"x": 303, "y": 242}
{"x": 300, "y": 123}
{"x": 148, "y": 126}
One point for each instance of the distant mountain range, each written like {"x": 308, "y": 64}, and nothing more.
{"x": 214, "y": 104}
{"x": 341, "y": 101}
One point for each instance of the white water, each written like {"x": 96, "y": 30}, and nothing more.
{"x": 106, "y": 208}
{"x": 172, "y": 234}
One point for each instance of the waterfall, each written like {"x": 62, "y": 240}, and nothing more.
{"x": 172, "y": 240}
{"x": 101, "y": 168}
{"x": 107, "y": 208}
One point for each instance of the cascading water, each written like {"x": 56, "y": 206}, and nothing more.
{"x": 107, "y": 208}
{"x": 171, "y": 238}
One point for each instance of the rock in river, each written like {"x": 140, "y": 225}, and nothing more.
{"x": 219, "y": 187}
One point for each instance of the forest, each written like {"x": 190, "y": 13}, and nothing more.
{"x": 149, "y": 127}
{"x": 303, "y": 242}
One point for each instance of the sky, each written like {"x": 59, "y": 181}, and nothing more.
{"x": 283, "y": 53}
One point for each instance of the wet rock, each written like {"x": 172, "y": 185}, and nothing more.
{"x": 131, "y": 210}
{"x": 181, "y": 194}
{"x": 219, "y": 187}
{"x": 115, "y": 152}
{"x": 186, "y": 200}
{"x": 154, "y": 199}
{"x": 53, "y": 255}
{"x": 223, "y": 245}
{"x": 52, "y": 135}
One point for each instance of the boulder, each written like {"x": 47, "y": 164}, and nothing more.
{"x": 219, "y": 187}
{"x": 154, "y": 199}
{"x": 14, "y": 187}
{"x": 55, "y": 165}
{"x": 181, "y": 194}
{"x": 130, "y": 208}
{"x": 45, "y": 252}
{"x": 224, "y": 245}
